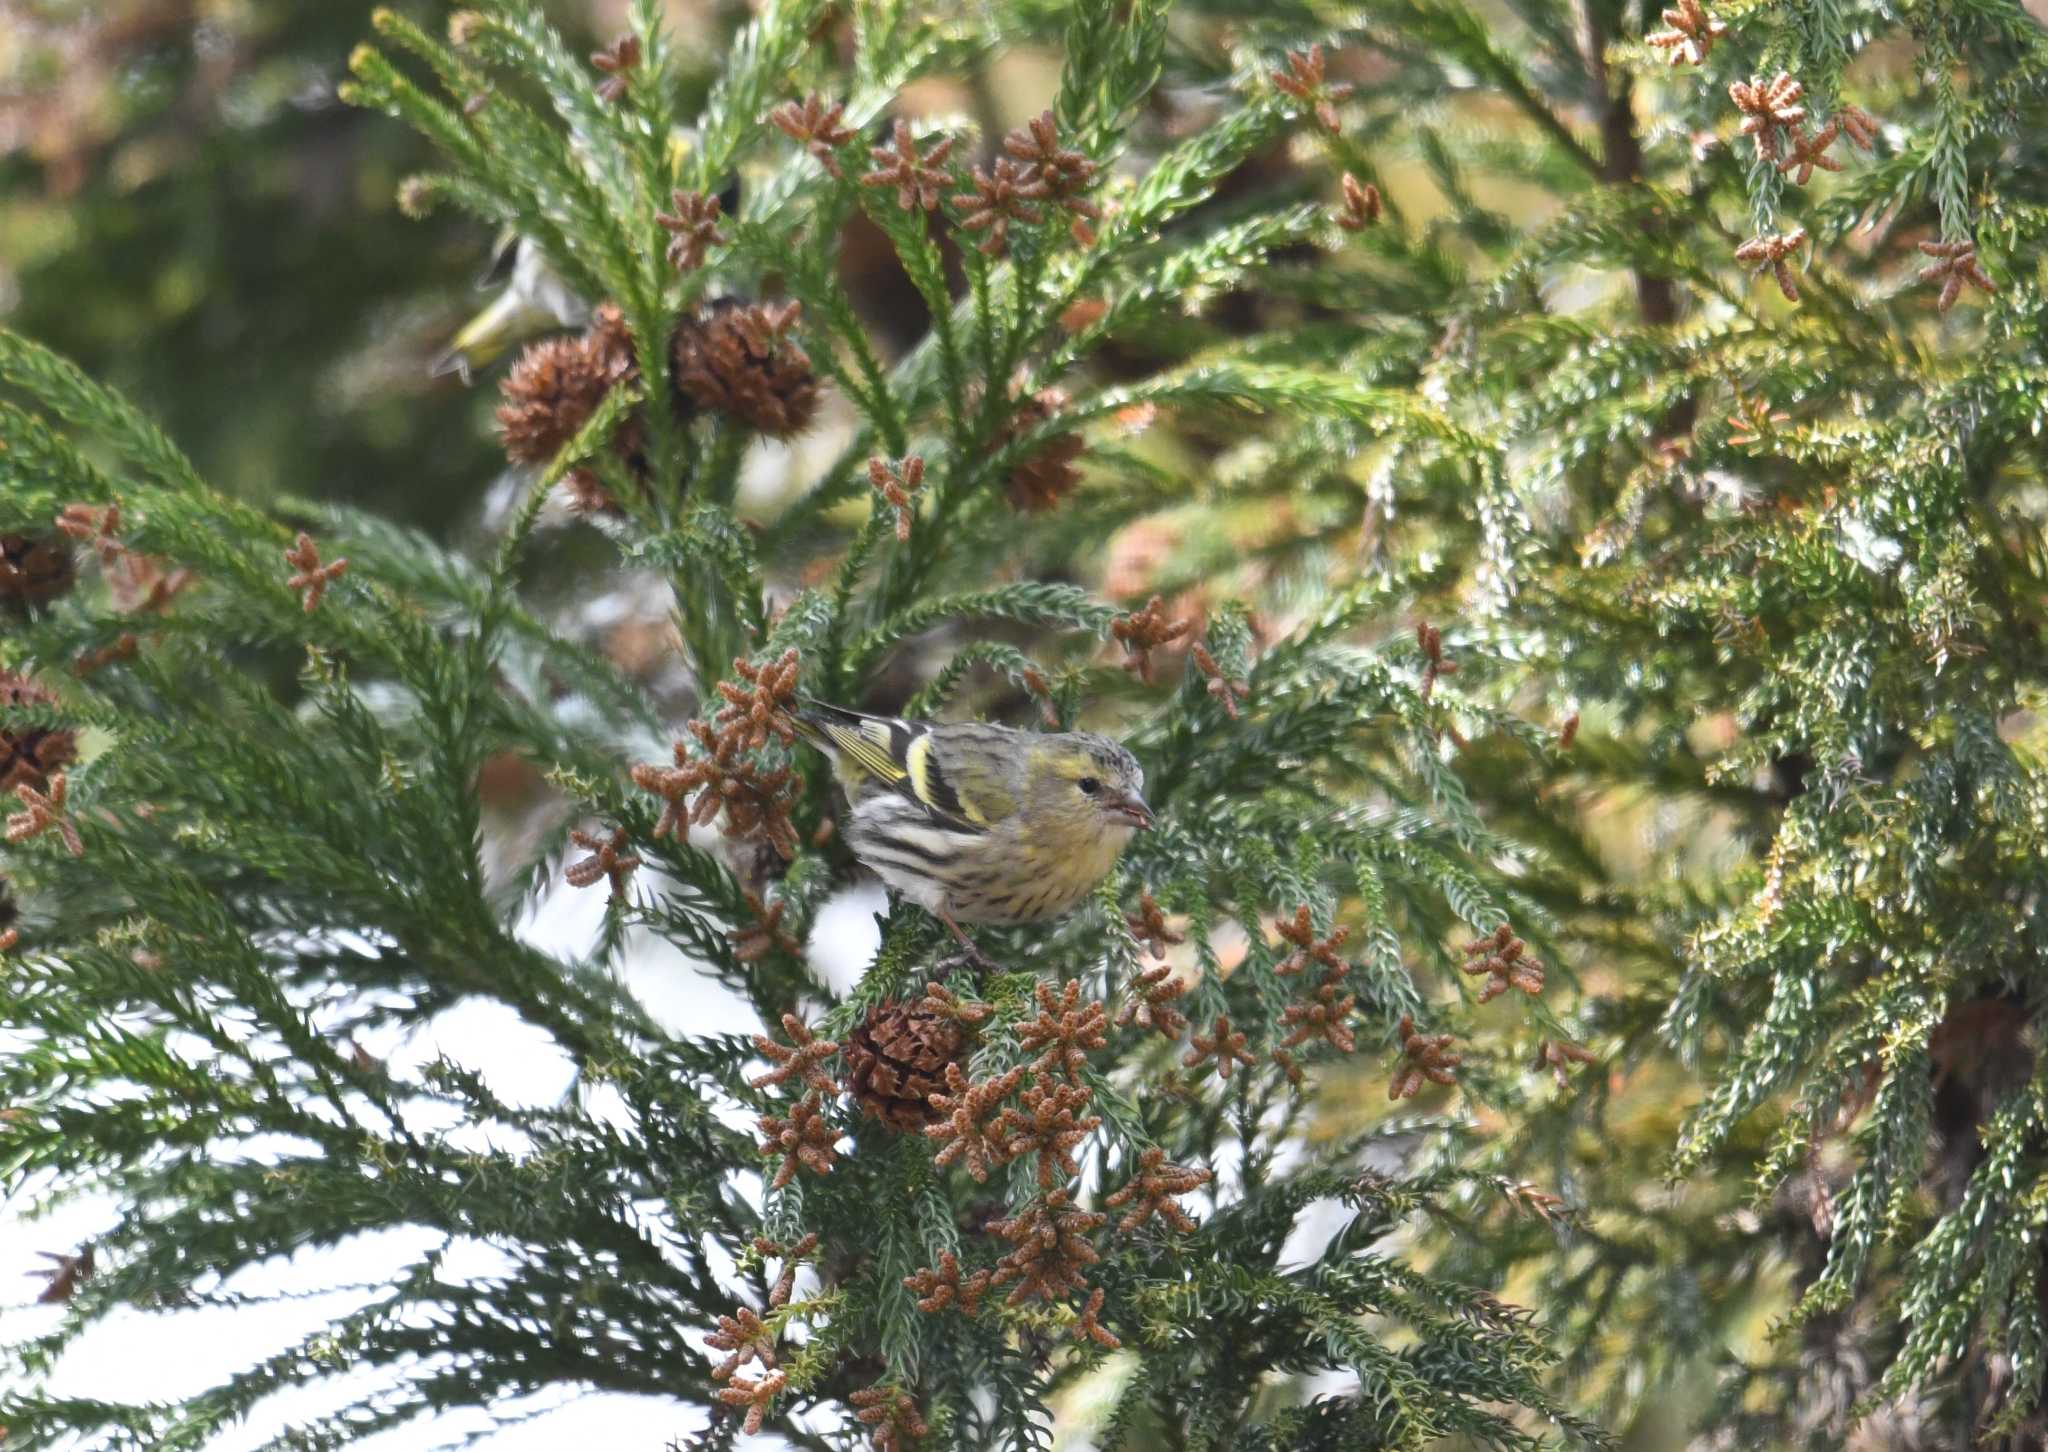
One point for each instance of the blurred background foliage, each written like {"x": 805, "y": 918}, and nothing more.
{"x": 187, "y": 210}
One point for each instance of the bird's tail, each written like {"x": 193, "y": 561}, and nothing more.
{"x": 862, "y": 747}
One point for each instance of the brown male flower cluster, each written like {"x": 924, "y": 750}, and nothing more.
{"x": 692, "y": 228}
{"x": 891, "y": 1418}
{"x": 1308, "y": 948}
{"x": 1325, "y": 1015}
{"x": 1503, "y": 957}
{"x": 65, "y": 1275}
{"x": 1303, "y": 79}
{"x": 608, "y": 858}
{"x": 34, "y": 568}
{"x": 1770, "y": 250}
{"x": 1148, "y": 925}
{"x": 742, "y": 359}
{"x": 29, "y": 754}
{"x": 815, "y": 126}
{"x": 1753, "y": 421}
{"x": 941, "y": 999}
{"x": 743, "y": 1335}
{"x": 761, "y": 707}
{"x": 1955, "y": 263}
{"x": 1060, "y": 172}
{"x": 897, "y": 1059}
{"x": 145, "y": 585}
{"x": 1555, "y": 1054}
{"x": 558, "y": 384}
{"x": 1005, "y": 195}
{"x": 1362, "y": 204}
{"x": 752, "y": 800}
{"x": 1143, "y": 631}
{"x": 100, "y": 528}
{"x": 972, "y": 1129}
{"x": 1152, "y": 1189}
{"x": 1045, "y": 1126}
{"x": 897, "y": 483}
{"x": 1045, "y": 476}
{"x": 1428, "y": 1056}
{"x": 1690, "y": 40}
{"x": 1064, "y": 1032}
{"x": 1149, "y": 1004}
{"x": 1229, "y": 691}
{"x": 755, "y": 941}
{"x": 755, "y": 1396}
{"x": 44, "y": 812}
{"x": 1053, "y": 1248}
{"x": 1860, "y": 126}
{"x": 799, "y": 1059}
{"x": 616, "y": 62}
{"x": 805, "y": 1139}
{"x": 944, "y": 1286}
{"x": 1088, "y": 1326}
{"x": 1434, "y": 662}
{"x": 1770, "y": 110}
{"x": 1810, "y": 152}
{"x": 1221, "y": 1043}
{"x": 792, "y": 1257}
{"x": 918, "y": 179}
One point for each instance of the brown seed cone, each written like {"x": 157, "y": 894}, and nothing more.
{"x": 739, "y": 359}
{"x": 35, "y": 568}
{"x": 558, "y": 383}
{"x": 1042, "y": 479}
{"x": 28, "y": 754}
{"x": 898, "y": 1058}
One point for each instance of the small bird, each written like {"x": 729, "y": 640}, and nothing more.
{"x": 977, "y": 823}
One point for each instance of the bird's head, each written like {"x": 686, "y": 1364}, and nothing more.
{"x": 1087, "y": 789}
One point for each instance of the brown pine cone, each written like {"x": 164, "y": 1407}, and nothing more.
{"x": 28, "y": 754}
{"x": 1040, "y": 480}
{"x": 899, "y": 1057}
{"x": 742, "y": 359}
{"x": 557, "y": 385}
{"x": 35, "y": 568}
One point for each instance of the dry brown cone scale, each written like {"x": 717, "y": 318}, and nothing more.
{"x": 898, "y": 1058}
{"x": 558, "y": 384}
{"x": 743, "y": 360}
{"x": 35, "y": 568}
{"x": 1047, "y": 475}
{"x": 30, "y": 754}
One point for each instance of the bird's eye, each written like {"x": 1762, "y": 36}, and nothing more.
{"x": 1089, "y": 785}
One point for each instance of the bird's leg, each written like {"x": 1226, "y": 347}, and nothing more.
{"x": 974, "y": 955}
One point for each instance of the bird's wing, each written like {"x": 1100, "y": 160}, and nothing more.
{"x": 895, "y": 755}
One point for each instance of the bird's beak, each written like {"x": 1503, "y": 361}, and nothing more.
{"x": 1131, "y": 807}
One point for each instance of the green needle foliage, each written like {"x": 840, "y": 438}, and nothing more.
{"x": 1600, "y": 501}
